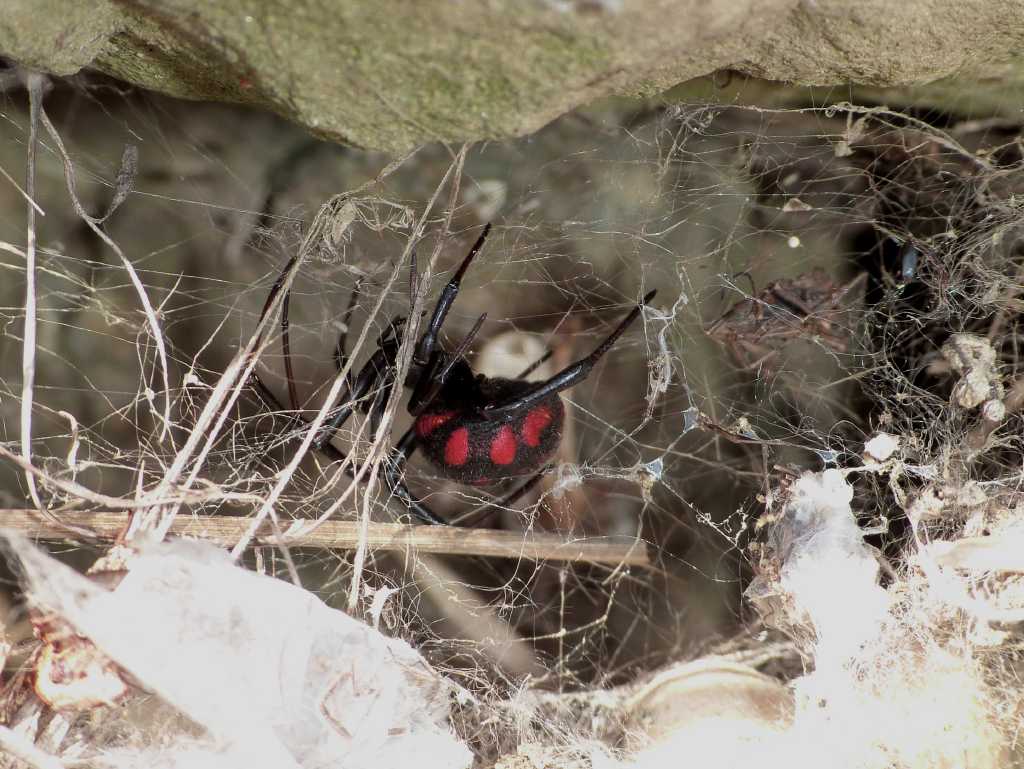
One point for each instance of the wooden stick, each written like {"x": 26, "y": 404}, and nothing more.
{"x": 344, "y": 535}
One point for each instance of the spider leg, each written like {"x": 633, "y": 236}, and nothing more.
{"x": 329, "y": 449}
{"x": 378, "y": 366}
{"x": 393, "y": 477}
{"x": 380, "y": 361}
{"x": 429, "y": 339}
{"x": 426, "y": 357}
{"x": 286, "y": 350}
{"x": 430, "y": 383}
{"x": 340, "y": 352}
{"x": 393, "y": 469}
{"x": 568, "y": 376}
{"x": 535, "y": 365}
{"x": 392, "y": 472}
{"x": 418, "y": 510}
{"x": 380, "y": 399}
{"x": 285, "y": 340}
{"x": 485, "y": 512}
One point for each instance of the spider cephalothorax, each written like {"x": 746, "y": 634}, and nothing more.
{"x": 472, "y": 448}
{"x": 476, "y": 430}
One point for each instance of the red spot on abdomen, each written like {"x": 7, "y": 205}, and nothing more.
{"x": 503, "y": 447}
{"x": 427, "y": 423}
{"x": 534, "y": 424}
{"x": 456, "y": 450}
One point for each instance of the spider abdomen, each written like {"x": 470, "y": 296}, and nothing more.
{"x": 470, "y": 449}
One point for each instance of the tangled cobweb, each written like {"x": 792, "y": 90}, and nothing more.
{"x": 791, "y": 492}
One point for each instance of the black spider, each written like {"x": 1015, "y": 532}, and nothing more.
{"x": 475, "y": 429}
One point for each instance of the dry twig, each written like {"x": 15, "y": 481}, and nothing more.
{"x": 345, "y": 535}
{"x": 28, "y": 346}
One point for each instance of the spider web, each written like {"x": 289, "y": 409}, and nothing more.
{"x": 892, "y": 234}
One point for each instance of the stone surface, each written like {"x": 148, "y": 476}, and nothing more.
{"x": 57, "y": 36}
{"x": 393, "y": 74}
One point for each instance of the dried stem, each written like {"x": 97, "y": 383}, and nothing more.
{"x": 348, "y": 535}
{"x": 377, "y": 450}
{"x": 28, "y": 343}
{"x": 129, "y": 268}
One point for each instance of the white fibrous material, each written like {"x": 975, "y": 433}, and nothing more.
{"x": 975, "y": 359}
{"x": 881, "y": 446}
{"x": 888, "y": 686}
{"x": 273, "y": 676}
{"x": 827, "y": 575}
